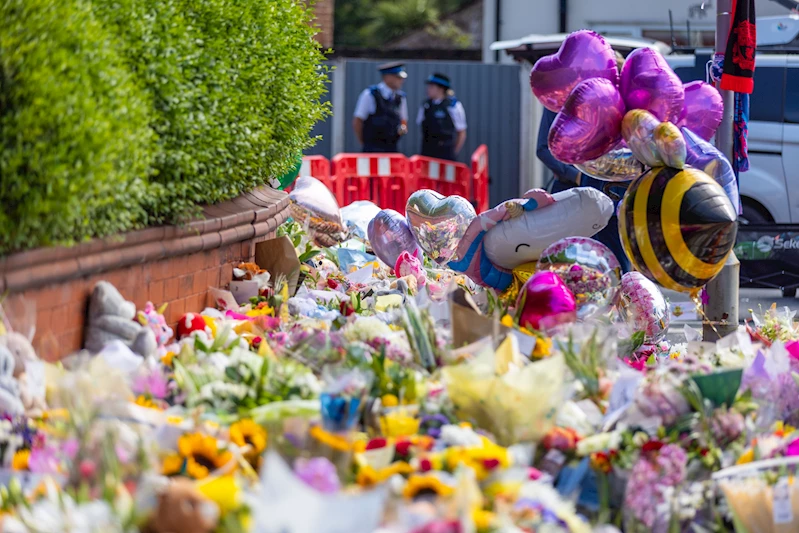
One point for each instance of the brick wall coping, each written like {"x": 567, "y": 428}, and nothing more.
{"x": 251, "y": 215}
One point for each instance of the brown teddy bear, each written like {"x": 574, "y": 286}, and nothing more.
{"x": 182, "y": 509}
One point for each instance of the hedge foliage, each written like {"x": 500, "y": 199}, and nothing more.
{"x": 126, "y": 112}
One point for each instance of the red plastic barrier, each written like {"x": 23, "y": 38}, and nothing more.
{"x": 381, "y": 178}
{"x": 480, "y": 178}
{"x": 319, "y": 167}
{"x": 445, "y": 177}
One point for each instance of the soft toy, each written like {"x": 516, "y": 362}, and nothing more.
{"x": 23, "y": 354}
{"x": 411, "y": 265}
{"x": 516, "y": 231}
{"x": 111, "y": 318}
{"x": 10, "y": 400}
{"x": 189, "y": 323}
{"x": 154, "y": 319}
{"x": 182, "y": 508}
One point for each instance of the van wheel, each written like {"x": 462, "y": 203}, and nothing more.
{"x": 754, "y": 214}
{"x": 789, "y": 292}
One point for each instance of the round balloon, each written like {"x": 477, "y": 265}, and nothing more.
{"x": 583, "y": 55}
{"x": 703, "y": 109}
{"x": 589, "y": 124}
{"x": 677, "y": 227}
{"x": 641, "y": 305}
{"x": 638, "y": 130}
{"x": 544, "y": 296}
{"x": 588, "y": 268}
{"x": 670, "y": 144}
{"x": 619, "y": 164}
{"x": 647, "y": 82}
{"x": 707, "y": 158}
{"x": 313, "y": 204}
{"x": 390, "y": 235}
{"x": 357, "y": 217}
{"x": 438, "y": 222}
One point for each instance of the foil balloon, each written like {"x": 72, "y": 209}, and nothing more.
{"x": 357, "y": 216}
{"x": 438, "y": 222}
{"x": 589, "y": 124}
{"x": 583, "y": 55}
{"x": 706, "y": 157}
{"x": 544, "y": 296}
{"x": 642, "y": 306}
{"x": 647, "y": 82}
{"x": 703, "y": 109}
{"x": 390, "y": 235}
{"x": 517, "y": 231}
{"x": 313, "y": 204}
{"x": 638, "y": 131}
{"x": 288, "y": 178}
{"x": 619, "y": 164}
{"x": 670, "y": 144}
{"x": 588, "y": 268}
{"x": 677, "y": 227}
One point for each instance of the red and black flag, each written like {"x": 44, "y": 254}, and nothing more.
{"x": 739, "y": 61}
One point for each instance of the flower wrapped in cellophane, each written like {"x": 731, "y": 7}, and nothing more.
{"x": 504, "y": 393}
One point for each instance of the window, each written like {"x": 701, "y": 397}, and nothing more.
{"x": 766, "y": 103}
{"x": 791, "y": 95}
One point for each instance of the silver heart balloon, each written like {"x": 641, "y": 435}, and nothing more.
{"x": 619, "y": 164}
{"x": 438, "y": 222}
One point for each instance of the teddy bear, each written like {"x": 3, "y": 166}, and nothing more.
{"x": 154, "y": 319}
{"x": 23, "y": 354}
{"x": 111, "y": 317}
{"x": 181, "y": 508}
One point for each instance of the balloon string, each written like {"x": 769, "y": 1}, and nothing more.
{"x": 705, "y": 319}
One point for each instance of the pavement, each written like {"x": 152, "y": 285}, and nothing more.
{"x": 749, "y": 299}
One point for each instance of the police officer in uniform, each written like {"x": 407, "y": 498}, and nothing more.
{"x": 443, "y": 120}
{"x": 381, "y": 113}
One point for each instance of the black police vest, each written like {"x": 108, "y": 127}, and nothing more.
{"x": 438, "y": 130}
{"x": 382, "y": 127}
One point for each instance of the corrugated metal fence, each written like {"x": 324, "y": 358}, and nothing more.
{"x": 489, "y": 93}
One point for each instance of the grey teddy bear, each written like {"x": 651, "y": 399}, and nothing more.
{"x": 111, "y": 318}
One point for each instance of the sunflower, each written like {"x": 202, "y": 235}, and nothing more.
{"x": 330, "y": 440}
{"x": 248, "y": 433}
{"x": 198, "y": 456}
{"x": 428, "y": 483}
{"x": 20, "y": 460}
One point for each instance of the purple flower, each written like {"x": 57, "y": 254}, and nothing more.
{"x": 155, "y": 384}
{"x": 649, "y": 476}
{"x": 318, "y": 473}
{"x": 44, "y": 460}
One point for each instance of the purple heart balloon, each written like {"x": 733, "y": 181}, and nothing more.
{"x": 589, "y": 123}
{"x": 703, "y": 109}
{"x": 647, "y": 82}
{"x": 390, "y": 235}
{"x": 582, "y": 55}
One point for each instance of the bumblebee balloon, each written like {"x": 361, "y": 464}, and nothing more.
{"x": 677, "y": 227}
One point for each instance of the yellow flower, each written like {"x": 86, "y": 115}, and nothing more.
{"x": 143, "y": 401}
{"x": 211, "y": 324}
{"x": 389, "y": 400}
{"x": 20, "y": 460}
{"x": 747, "y": 457}
{"x": 483, "y": 520}
{"x": 400, "y": 467}
{"x": 223, "y": 491}
{"x": 173, "y": 465}
{"x": 507, "y": 321}
{"x": 543, "y": 347}
{"x": 507, "y": 490}
{"x": 332, "y": 441}
{"x": 246, "y": 432}
{"x": 367, "y": 476}
{"x": 264, "y": 311}
{"x": 202, "y": 455}
{"x": 425, "y": 483}
{"x": 167, "y": 359}
{"x": 399, "y": 424}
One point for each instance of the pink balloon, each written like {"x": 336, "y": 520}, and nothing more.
{"x": 582, "y": 55}
{"x": 703, "y": 109}
{"x": 390, "y": 235}
{"x": 543, "y": 296}
{"x": 647, "y": 82}
{"x": 589, "y": 124}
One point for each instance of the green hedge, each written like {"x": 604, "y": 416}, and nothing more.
{"x": 201, "y": 100}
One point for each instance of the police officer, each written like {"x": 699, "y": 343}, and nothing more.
{"x": 381, "y": 113}
{"x": 443, "y": 120}
{"x": 567, "y": 176}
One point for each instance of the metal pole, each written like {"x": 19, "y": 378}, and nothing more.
{"x": 722, "y": 306}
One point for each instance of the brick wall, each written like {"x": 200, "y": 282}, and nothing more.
{"x": 179, "y": 271}
{"x": 324, "y": 10}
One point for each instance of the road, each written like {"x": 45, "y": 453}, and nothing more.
{"x": 749, "y": 299}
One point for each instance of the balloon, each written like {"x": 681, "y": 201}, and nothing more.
{"x": 288, "y": 178}
{"x": 677, "y": 227}
{"x": 706, "y": 157}
{"x": 643, "y": 307}
{"x": 647, "y": 82}
{"x": 543, "y": 296}
{"x": 588, "y": 268}
{"x": 589, "y": 124}
{"x": 313, "y": 204}
{"x": 357, "y": 217}
{"x": 582, "y": 55}
{"x": 619, "y": 164}
{"x": 638, "y": 130}
{"x": 703, "y": 109}
{"x": 517, "y": 231}
{"x": 438, "y": 222}
{"x": 390, "y": 235}
{"x": 670, "y": 144}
